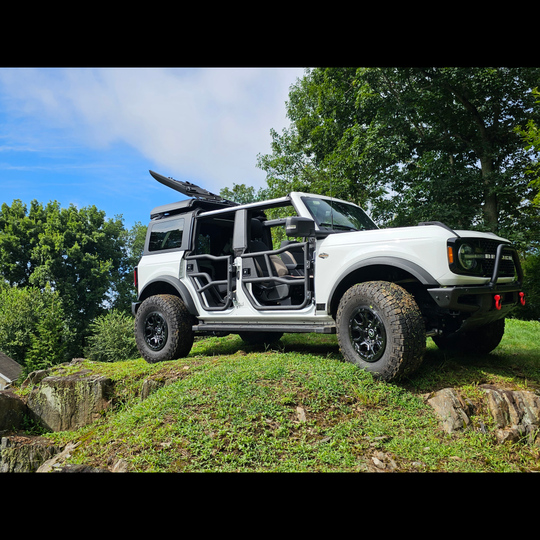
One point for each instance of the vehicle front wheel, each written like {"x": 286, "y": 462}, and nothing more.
{"x": 163, "y": 328}
{"x": 380, "y": 329}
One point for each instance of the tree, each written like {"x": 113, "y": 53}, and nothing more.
{"x": 33, "y": 327}
{"x": 76, "y": 252}
{"x": 412, "y": 144}
{"x": 531, "y": 137}
{"x": 241, "y": 194}
{"x": 123, "y": 291}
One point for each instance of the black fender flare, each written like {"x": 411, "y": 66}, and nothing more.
{"x": 180, "y": 288}
{"x": 424, "y": 277}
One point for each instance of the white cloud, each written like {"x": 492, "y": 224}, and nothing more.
{"x": 206, "y": 124}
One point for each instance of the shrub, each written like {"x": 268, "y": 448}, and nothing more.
{"x": 112, "y": 338}
{"x": 33, "y": 327}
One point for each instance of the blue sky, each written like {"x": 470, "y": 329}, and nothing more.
{"x": 88, "y": 136}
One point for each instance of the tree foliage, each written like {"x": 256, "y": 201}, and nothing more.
{"x": 241, "y": 194}
{"x": 412, "y": 144}
{"x": 33, "y": 327}
{"x": 531, "y": 138}
{"x": 112, "y": 338}
{"x": 79, "y": 253}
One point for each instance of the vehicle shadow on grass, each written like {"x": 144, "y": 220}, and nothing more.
{"x": 324, "y": 346}
{"x": 439, "y": 369}
{"x": 504, "y": 366}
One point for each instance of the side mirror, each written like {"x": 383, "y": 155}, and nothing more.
{"x": 299, "y": 226}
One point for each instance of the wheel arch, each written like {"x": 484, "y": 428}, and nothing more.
{"x": 169, "y": 285}
{"x": 392, "y": 269}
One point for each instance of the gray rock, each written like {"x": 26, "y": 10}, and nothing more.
{"x": 67, "y": 403}
{"x": 12, "y": 411}
{"x": 516, "y": 414}
{"x": 25, "y": 454}
{"x": 451, "y": 408}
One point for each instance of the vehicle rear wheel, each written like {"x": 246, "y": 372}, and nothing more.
{"x": 163, "y": 328}
{"x": 481, "y": 340}
{"x": 380, "y": 329}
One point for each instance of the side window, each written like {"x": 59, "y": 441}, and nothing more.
{"x": 166, "y": 235}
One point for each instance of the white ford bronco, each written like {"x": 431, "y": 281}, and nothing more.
{"x": 310, "y": 263}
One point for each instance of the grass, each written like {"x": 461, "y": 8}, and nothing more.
{"x": 298, "y": 407}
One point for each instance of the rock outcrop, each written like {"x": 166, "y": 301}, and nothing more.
{"x": 515, "y": 414}
{"x": 64, "y": 403}
{"x": 12, "y": 411}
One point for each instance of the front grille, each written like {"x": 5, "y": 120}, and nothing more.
{"x": 489, "y": 248}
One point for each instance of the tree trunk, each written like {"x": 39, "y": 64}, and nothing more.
{"x": 491, "y": 214}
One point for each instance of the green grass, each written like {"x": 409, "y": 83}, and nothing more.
{"x": 235, "y": 408}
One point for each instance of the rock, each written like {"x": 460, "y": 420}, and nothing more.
{"x": 79, "y": 469}
{"x": 300, "y": 414}
{"x": 516, "y": 414}
{"x": 25, "y": 454}
{"x": 120, "y": 466}
{"x": 55, "y": 461}
{"x": 12, "y": 411}
{"x": 451, "y": 408}
{"x": 70, "y": 402}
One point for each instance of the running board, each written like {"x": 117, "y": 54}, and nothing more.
{"x": 285, "y": 328}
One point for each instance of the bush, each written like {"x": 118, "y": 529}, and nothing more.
{"x": 112, "y": 338}
{"x": 33, "y": 327}
{"x": 531, "y": 286}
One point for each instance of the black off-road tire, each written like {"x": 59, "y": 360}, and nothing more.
{"x": 481, "y": 340}
{"x": 163, "y": 328}
{"x": 380, "y": 329}
{"x": 261, "y": 338}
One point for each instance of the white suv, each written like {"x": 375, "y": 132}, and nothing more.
{"x": 309, "y": 263}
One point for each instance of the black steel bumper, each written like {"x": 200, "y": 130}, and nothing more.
{"x": 491, "y": 301}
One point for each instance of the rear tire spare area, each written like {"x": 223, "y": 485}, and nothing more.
{"x": 163, "y": 328}
{"x": 380, "y": 329}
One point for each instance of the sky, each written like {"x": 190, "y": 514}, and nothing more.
{"x": 89, "y": 136}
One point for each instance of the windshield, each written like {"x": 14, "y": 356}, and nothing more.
{"x": 337, "y": 215}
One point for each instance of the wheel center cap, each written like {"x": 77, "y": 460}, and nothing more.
{"x": 371, "y": 333}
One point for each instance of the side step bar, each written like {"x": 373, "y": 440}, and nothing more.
{"x": 286, "y": 328}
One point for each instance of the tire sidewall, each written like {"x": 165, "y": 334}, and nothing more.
{"x": 179, "y": 334}
{"x": 379, "y": 366}
{"x": 403, "y": 325}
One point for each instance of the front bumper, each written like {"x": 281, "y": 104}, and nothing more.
{"x": 481, "y": 299}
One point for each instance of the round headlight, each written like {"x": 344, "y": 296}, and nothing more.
{"x": 466, "y": 256}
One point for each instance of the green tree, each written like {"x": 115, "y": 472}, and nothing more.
{"x": 77, "y": 252}
{"x": 33, "y": 327}
{"x": 412, "y": 144}
{"x": 123, "y": 291}
{"x": 531, "y": 138}
{"x": 241, "y": 194}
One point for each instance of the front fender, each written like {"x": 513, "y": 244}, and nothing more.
{"x": 411, "y": 268}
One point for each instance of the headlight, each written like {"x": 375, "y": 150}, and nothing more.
{"x": 466, "y": 256}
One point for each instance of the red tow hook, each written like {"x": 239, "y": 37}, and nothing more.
{"x": 498, "y": 301}
{"x": 522, "y": 298}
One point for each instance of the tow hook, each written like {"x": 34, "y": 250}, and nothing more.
{"x": 522, "y": 298}
{"x": 498, "y": 301}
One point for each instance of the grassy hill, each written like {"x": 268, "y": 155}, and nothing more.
{"x": 297, "y": 407}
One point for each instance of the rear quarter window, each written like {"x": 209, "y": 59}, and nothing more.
{"x": 166, "y": 235}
